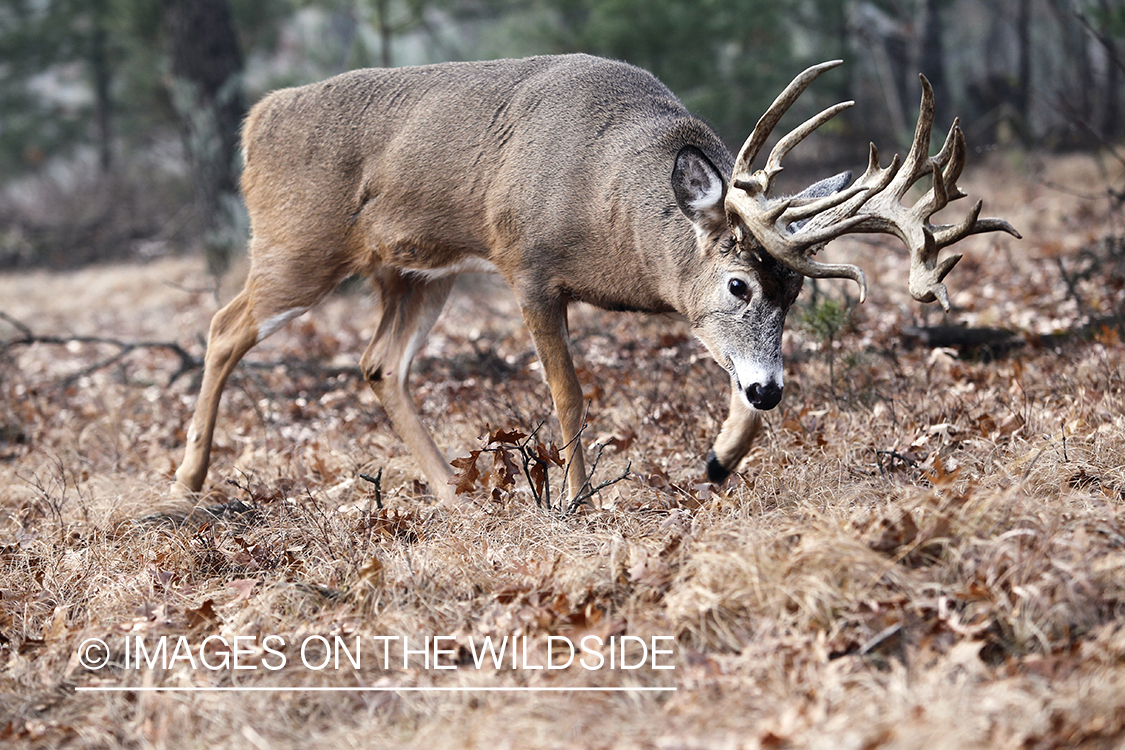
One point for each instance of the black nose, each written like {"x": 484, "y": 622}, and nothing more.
{"x": 764, "y": 397}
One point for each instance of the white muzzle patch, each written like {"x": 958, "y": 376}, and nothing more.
{"x": 747, "y": 372}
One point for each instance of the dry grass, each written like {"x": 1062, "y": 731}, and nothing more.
{"x": 925, "y": 553}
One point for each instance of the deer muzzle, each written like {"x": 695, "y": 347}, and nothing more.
{"x": 759, "y": 383}
{"x": 764, "y": 396}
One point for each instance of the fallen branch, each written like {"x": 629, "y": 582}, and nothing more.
{"x": 187, "y": 361}
{"x": 997, "y": 339}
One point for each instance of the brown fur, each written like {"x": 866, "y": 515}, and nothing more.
{"x": 555, "y": 170}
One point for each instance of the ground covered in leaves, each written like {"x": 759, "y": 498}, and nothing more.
{"x": 926, "y": 548}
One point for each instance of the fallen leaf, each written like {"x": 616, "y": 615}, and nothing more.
{"x": 243, "y": 586}
{"x": 466, "y": 479}
{"x": 203, "y": 616}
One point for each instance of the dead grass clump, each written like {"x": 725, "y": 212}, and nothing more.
{"x": 924, "y": 549}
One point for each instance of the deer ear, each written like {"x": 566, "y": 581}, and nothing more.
{"x": 699, "y": 190}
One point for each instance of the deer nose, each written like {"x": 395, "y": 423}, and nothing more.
{"x": 764, "y": 397}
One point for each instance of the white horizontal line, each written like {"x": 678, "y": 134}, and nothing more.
{"x": 310, "y": 689}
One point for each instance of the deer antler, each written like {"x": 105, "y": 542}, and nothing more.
{"x": 884, "y": 211}
{"x": 871, "y": 204}
{"x": 768, "y": 219}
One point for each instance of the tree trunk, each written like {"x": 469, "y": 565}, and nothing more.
{"x": 1023, "y": 84}
{"x": 206, "y": 88}
{"x": 932, "y": 58}
{"x": 1110, "y": 125}
{"x": 381, "y": 8}
{"x": 103, "y": 105}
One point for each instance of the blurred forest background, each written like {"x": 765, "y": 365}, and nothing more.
{"x": 120, "y": 117}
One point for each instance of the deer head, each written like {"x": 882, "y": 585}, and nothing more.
{"x": 758, "y": 247}
{"x": 741, "y": 294}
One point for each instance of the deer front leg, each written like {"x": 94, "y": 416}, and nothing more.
{"x": 234, "y": 331}
{"x": 410, "y": 307}
{"x": 548, "y": 328}
{"x": 735, "y": 438}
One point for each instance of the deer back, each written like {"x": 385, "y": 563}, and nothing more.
{"x": 552, "y": 169}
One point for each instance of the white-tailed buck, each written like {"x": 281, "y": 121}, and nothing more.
{"x": 576, "y": 179}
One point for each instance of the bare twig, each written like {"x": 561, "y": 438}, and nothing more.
{"x": 531, "y": 459}
{"x": 585, "y": 492}
{"x": 879, "y": 638}
{"x": 376, "y": 480}
{"x": 584, "y": 496}
{"x": 893, "y": 456}
{"x": 1103, "y": 38}
{"x": 18, "y": 325}
{"x": 1030, "y": 466}
{"x": 576, "y": 439}
{"x": 1109, "y": 148}
{"x": 27, "y": 338}
{"x": 1117, "y": 195}
{"x": 188, "y": 362}
{"x": 595, "y": 490}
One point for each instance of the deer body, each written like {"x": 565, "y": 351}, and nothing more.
{"x": 573, "y": 177}
{"x": 540, "y": 167}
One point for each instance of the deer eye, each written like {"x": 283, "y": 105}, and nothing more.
{"x": 739, "y": 288}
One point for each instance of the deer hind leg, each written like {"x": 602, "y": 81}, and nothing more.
{"x": 548, "y": 327}
{"x": 269, "y": 300}
{"x": 735, "y": 438}
{"x": 410, "y": 307}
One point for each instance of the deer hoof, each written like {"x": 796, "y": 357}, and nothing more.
{"x": 716, "y": 472}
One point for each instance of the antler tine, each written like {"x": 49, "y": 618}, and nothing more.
{"x": 995, "y": 225}
{"x": 946, "y": 167}
{"x": 957, "y": 155}
{"x": 786, "y": 144}
{"x": 804, "y": 210}
{"x": 749, "y": 151}
{"x": 917, "y": 162}
{"x": 806, "y": 266}
{"x": 947, "y": 234}
{"x": 935, "y": 199}
{"x": 873, "y": 164}
{"x": 947, "y": 148}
